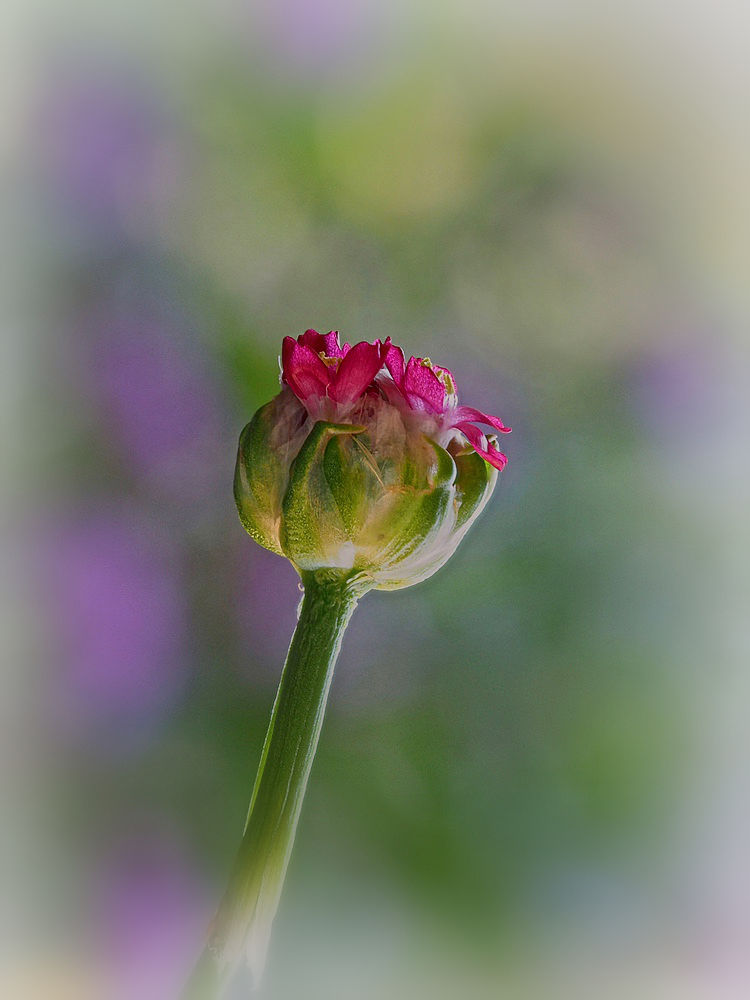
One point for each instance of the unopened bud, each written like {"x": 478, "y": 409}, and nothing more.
{"x": 364, "y": 464}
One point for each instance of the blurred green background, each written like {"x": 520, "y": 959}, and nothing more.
{"x": 533, "y": 777}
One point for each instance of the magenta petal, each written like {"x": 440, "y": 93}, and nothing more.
{"x": 423, "y": 388}
{"x": 451, "y": 379}
{"x": 312, "y": 339}
{"x": 332, "y": 347}
{"x": 323, "y": 343}
{"x": 463, "y": 413}
{"x": 356, "y": 372}
{"x": 303, "y": 370}
{"x": 482, "y": 446}
{"x": 394, "y": 362}
{"x": 287, "y": 347}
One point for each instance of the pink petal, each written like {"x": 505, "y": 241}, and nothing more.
{"x": 356, "y": 372}
{"x": 388, "y": 389}
{"x": 463, "y": 413}
{"x": 309, "y": 337}
{"x": 303, "y": 370}
{"x": 332, "y": 347}
{"x": 451, "y": 378}
{"x": 394, "y": 362}
{"x": 327, "y": 343}
{"x": 287, "y": 346}
{"x": 422, "y": 387}
{"x": 482, "y": 446}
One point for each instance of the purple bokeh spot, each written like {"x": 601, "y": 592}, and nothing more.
{"x": 151, "y": 915}
{"x": 159, "y": 399}
{"x": 114, "y": 597}
{"x": 321, "y": 37}
{"x": 109, "y": 148}
{"x": 677, "y": 387}
{"x": 267, "y": 597}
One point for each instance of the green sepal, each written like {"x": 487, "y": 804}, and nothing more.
{"x": 427, "y": 521}
{"x": 259, "y": 480}
{"x": 311, "y": 527}
{"x": 474, "y": 485}
{"x": 351, "y": 479}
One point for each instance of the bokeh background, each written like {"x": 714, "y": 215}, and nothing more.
{"x": 534, "y": 776}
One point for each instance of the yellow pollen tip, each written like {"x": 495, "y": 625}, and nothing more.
{"x": 447, "y": 381}
{"x": 330, "y": 362}
{"x": 441, "y": 373}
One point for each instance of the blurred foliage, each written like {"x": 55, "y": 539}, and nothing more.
{"x": 507, "y": 728}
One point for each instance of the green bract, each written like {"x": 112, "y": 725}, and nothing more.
{"x": 386, "y": 503}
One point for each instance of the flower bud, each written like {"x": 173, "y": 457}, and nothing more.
{"x": 348, "y": 468}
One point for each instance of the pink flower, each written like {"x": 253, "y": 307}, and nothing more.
{"x": 431, "y": 390}
{"x": 329, "y": 379}
{"x": 333, "y": 381}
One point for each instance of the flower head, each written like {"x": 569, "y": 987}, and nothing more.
{"x": 332, "y": 381}
{"x": 431, "y": 391}
{"x": 328, "y": 378}
{"x": 364, "y": 462}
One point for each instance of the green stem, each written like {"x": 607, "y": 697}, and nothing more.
{"x": 243, "y": 922}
